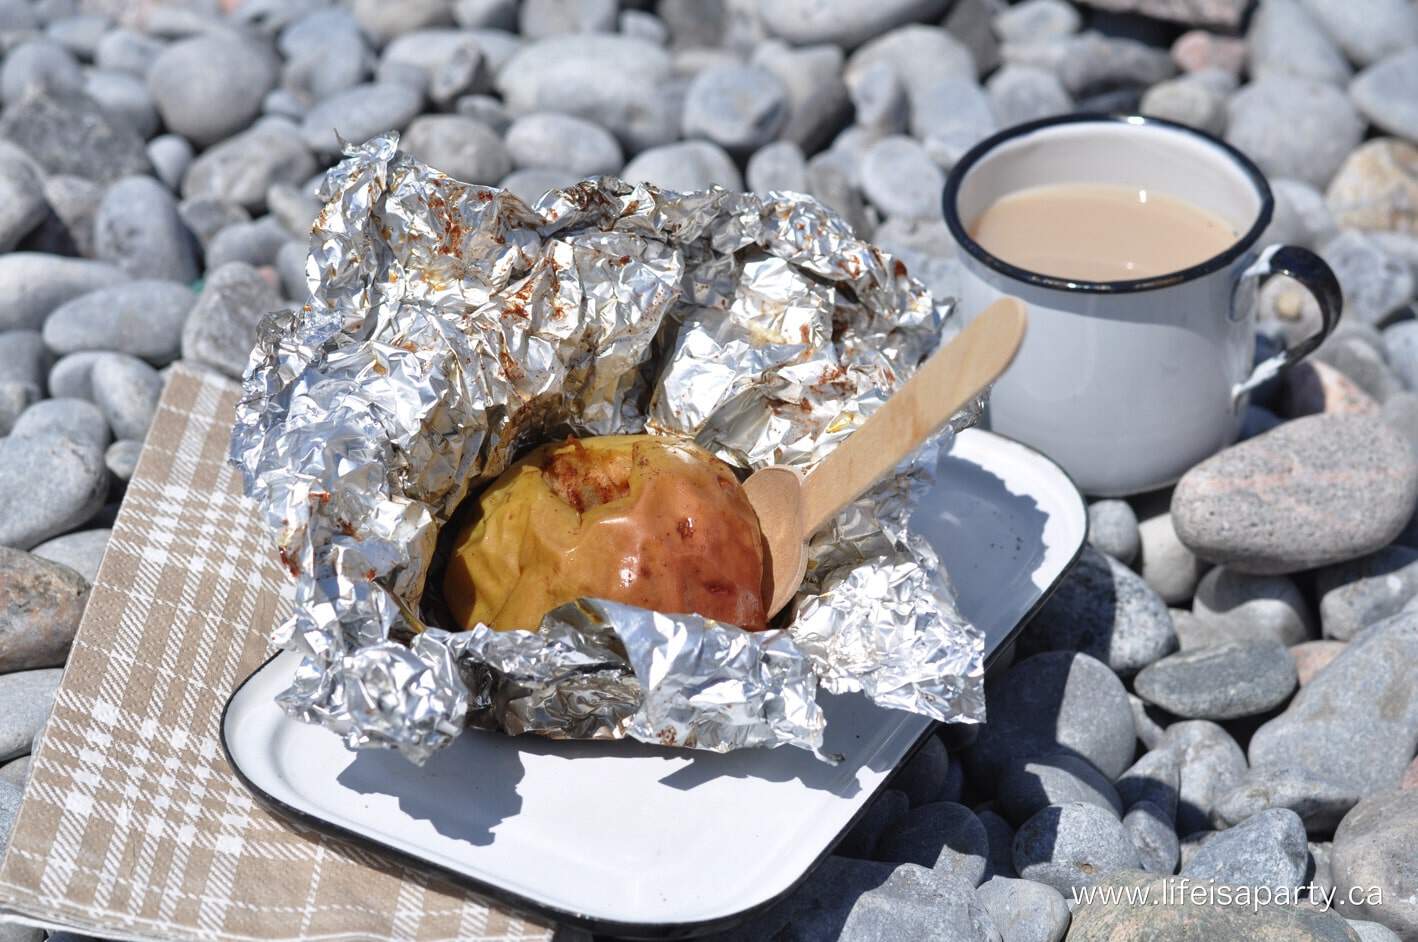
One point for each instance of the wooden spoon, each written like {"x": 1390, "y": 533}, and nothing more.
{"x": 792, "y": 507}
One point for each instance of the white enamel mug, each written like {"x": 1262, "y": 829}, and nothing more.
{"x": 1127, "y": 384}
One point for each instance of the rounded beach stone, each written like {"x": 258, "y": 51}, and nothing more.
{"x": 1356, "y": 594}
{"x": 1373, "y": 864}
{"x": 1375, "y": 283}
{"x": 1319, "y": 803}
{"x": 25, "y": 701}
{"x": 1369, "y": 30}
{"x": 1024, "y": 911}
{"x": 900, "y": 179}
{"x": 255, "y": 243}
{"x": 127, "y": 391}
{"x": 75, "y": 485}
{"x": 1311, "y": 657}
{"x": 684, "y": 167}
{"x": 1223, "y": 682}
{"x": 1164, "y": 561}
{"x": 1384, "y": 92}
{"x": 1103, "y": 609}
{"x": 548, "y": 139}
{"x": 1377, "y": 187}
{"x": 779, "y": 167}
{"x": 359, "y": 113}
{"x": 22, "y": 203}
{"x": 1151, "y": 833}
{"x": 1356, "y": 722}
{"x": 1155, "y": 778}
{"x": 221, "y": 328}
{"x": 1193, "y": 633}
{"x": 1294, "y": 127}
{"x": 78, "y": 420}
{"x": 944, "y": 836}
{"x": 1373, "y": 931}
{"x": 738, "y": 107}
{"x": 1267, "y": 849}
{"x": 1285, "y": 39}
{"x": 1319, "y": 490}
{"x": 1245, "y": 607}
{"x": 843, "y": 22}
{"x": 1001, "y": 838}
{"x": 1315, "y": 387}
{"x": 81, "y": 551}
{"x": 138, "y": 229}
{"x": 208, "y": 87}
{"x": 140, "y": 318}
{"x": 1032, "y": 784}
{"x": 1072, "y": 845}
{"x": 1211, "y": 765}
{"x": 32, "y": 285}
{"x": 1020, "y": 93}
{"x": 463, "y": 148}
{"x": 71, "y": 377}
{"x": 1052, "y": 702}
{"x": 41, "y": 603}
{"x": 242, "y": 169}
{"x": 531, "y": 184}
{"x": 879, "y": 101}
{"x": 122, "y": 457}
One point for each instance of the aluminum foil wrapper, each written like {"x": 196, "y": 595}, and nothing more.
{"x": 450, "y": 327}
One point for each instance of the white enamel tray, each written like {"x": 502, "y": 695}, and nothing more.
{"x": 649, "y": 842}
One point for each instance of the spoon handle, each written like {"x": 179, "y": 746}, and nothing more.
{"x": 954, "y": 374}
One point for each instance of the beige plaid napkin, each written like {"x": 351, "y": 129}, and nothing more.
{"x": 133, "y": 825}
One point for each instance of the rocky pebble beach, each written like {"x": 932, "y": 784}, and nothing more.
{"x": 1223, "y": 692}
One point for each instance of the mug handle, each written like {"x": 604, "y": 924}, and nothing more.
{"x": 1316, "y": 277}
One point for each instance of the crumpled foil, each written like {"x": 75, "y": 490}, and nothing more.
{"x": 450, "y": 327}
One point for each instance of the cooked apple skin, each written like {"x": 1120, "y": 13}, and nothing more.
{"x": 641, "y": 519}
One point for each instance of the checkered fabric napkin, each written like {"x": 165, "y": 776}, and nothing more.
{"x": 133, "y": 825}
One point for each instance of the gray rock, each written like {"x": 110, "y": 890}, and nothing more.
{"x": 382, "y": 20}
{"x": 243, "y": 169}
{"x": 221, "y": 328}
{"x": 1384, "y": 93}
{"x": 1071, "y": 846}
{"x": 738, "y": 107}
{"x": 1358, "y": 593}
{"x": 923, "y": 778}
{"x": 1368, "y": 30}
{"x": 22, "y": 205}
{"x": 1319, "y": 803}
{"x": 1294, "y": 127}
{"x": 290, "y": 265}
{"x": 881, "y": 815}
{"x": 17, "y": 772}
{"x": 450, "y": 61}
{"x": 1374, "y": 282}
{"x": 950, "y": 116}
{"x": 138, "y": 229}
{"x": 39, "y": 64}
{"x": 843, "y": 22}
{"x": 492, "y": 112}
{"x": 686, "y": 166}
{"x": 1154, "y": 779}
{"x": 1103, "y": 609}
{"x": 74, "y": 203}
{"x": 295, "y": 208}
{"x": 879, "y": 99}
{"x": 1375, "y": 187}
{"x": 67, "y": 132}
{"x": 1247, "y": 608}
{"x": 1301, "y": 215}
{"x": 26, "y": 698}
{"x": 557, "y": 140}
{"x": 1054, "y": 702}
{"x": 1284, "y": 39}
{"x": 1150, "y": 831}
{"x": 32, "y": 285}
{"x": 818, "y": 103}
{"x": 75, "y": 419}
{"x": 357, "y": 114}
{"x": 461, "y": 147}
{"x": 82, "y": 551}
{"x": 644, "y": 25}
{"x": 539, "y": 18}
{"x": 1401, "y": 414}
{"x": 1267, "y": 849}
{"x": 127, "y": 391}
{"x": 10, "y": 797}
{"x": 944, "y": 836}
{"x": 72, "y": 376}
{"x": 1035, "y": 20}
{"x": 1372, "y": 931}
{"x": 339, "y": 61}
{"x": 1164, "y": 561}
{"x": 1321, "y": 878}
{"x": 1356, "y": 722}
{"x": 1211, "y": 765}
{"x": 1336, "y": 487}
{"x": 1001, "y": 839}
{"x": 170, "y": 155}
{"x": 1112, "y": 529}
{"x": 1223, "y": 682}
{"x": 1187, "y": 100}
{"x": 921, "y": 55}
{"x": 41, "y": 603}
{"x": 1031, "y": 784}
{"x": 1401, "y": 341}
{"x": 1373, "y": 855}
{"x": 204, "y": 217}
{"x": 126, "y": 50}
{"x": 1363, "y": 363}
{"x": 209, "y": 87}
{"x": 1197, "y": 918}
{"x": 121, "y": 459}
{"x": 1020, "y": 93}
{"x": 124, "y": 96}
{"x": 915, "y": 237}
{"x": 26, "y": 361}
{"x": 779, "y": 167}
{"x": 255, "y": 243}
{"x": 1024, "y": 911}
{"x": 617, "y": 82}
{"x": 1095, "y": 61}
{"x": 529, "y": 185}
{"x": 900, "y": 179}
{"x": 141, "y": 318}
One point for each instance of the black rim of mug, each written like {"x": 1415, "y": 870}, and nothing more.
{"x": 1217, "y": 262}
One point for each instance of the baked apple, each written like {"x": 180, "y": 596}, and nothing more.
{"x": 640, "y": 519}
